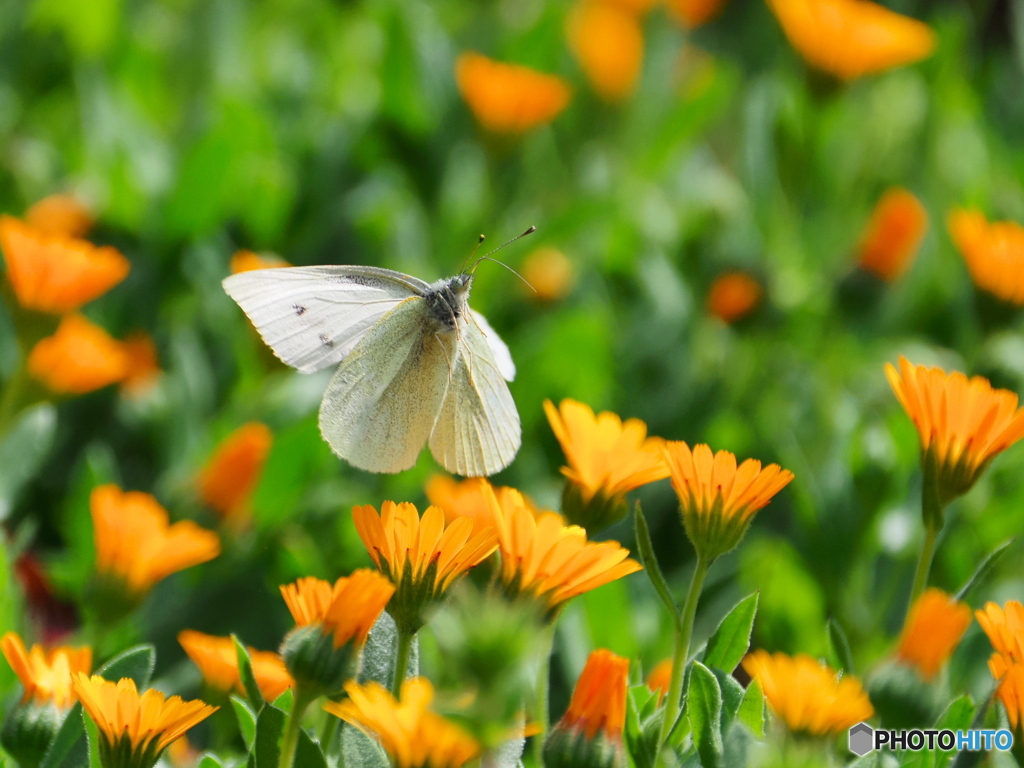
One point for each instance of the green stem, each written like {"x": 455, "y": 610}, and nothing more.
{"x": 327, "y": 736}
{"x": 924, "y": 564}
{"x": 540, "y": 704}
{"x": 402, "y": 662}
{"x": 290, "y": 740}
{"x": 673, "y": 700}
{"x": 10, "y": 401}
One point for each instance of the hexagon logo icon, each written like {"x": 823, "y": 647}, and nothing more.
{"x": 861, "y": 739}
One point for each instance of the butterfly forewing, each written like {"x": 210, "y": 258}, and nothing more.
{"x": 311, "y": 317}
{"x": 381, "y": 405}
{"x": 477, "y": 431}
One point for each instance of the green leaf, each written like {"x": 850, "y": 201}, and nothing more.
{"x": 751, "y": 712}
{"x": 380, "y": 652}
{"x": 208, "y": 760}
{"x": 837, "y": 649}
{"x": 984, "y": 569}
{"x": 285, "y": 701}
{"x": 308, "y": 753}
{"x": 136, "y": 663}
{"x": 727, "y": 646}
{"x": 252, "y": 690}
{"x": 704, "y": 707}
{"x": 266, "y": 749}
{"x": 732, "y": 697}
{"x": 23, "y": 450}
{"x": 957, "y": 716}
{"x": 246, "y": 720}
{"x": 92, "y": 736}
{"x": 642, "y": 749}
{"x": 645, "y": 549}
{"x": 69, "y": 748}
{"x": 360, "y": 751}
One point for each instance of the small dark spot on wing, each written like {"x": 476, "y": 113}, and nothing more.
{"x": 326, "y": 340}
{"x": 299, "y": 309}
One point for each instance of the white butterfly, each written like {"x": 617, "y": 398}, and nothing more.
{"x": 416, "y": 363}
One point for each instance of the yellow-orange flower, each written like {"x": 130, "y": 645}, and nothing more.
{"x": 607, "y": 457}
{"x": 994, "y": 253}
{"x": 893, "y": 235}
{"x": 693, "y": 13}
{"x": 467, "y": 498}
{"x": 217, "y": 659}
{"x": 808, "y": 696}
{"x": 45, "y": 675}
{"x": 1011, "y": 694}
{"x": 660, "y": 678}
{"x": 60, "y": 215}
{"x": 246, "y": 261}
{"x": 598, "y": 702}
{"x": 1005, "y": 629}
{"x": 141, "y": 725}
{"x": 935, "y": 624}
{"x": 543, "y": 557}
{"x": 734, "y": 295}
{"x": 550, "y": 273}
{"x": 346, "y": 610}
{"x": 962, "y": 425}
{"x": 852, "y": 38}
{"x": 142, "y": 367}
{"x": 411, "y": 734}
{"x": 230, "y": 476}
{"x": 421, "y": 556}
{"x": 136, "y": 543}
{"x": 80, "y": 357}
{"x": 508, "y": 98}
{"x": 55, "y": 273}
{"x": 718, "y": 499}
{"x": 609, "y": 45}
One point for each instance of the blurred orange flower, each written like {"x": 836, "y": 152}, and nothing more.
{"x": 136, "y": 542}
{"x": 45, "y": 675}
{"x": 660, "y": 678}
{"x": 598, "y": 702}
{"x": 549, "y": 272}
{"x": 217, "y": 660}
{"x": 609, "y": 45}
{"x": 467, "y": 498}
{"x": 246, "y": 261}
{"x": 508, "y": 98}
{"x": 852, "y": 38}
{"x": 55, "y": 273}
{"x": 346, "y": 610}
{"x": 693, "y": 13}
{"x": 80, "y": 357}
{"x": 893, "y": 234}
{"x": 733, "y": 295}
{"x": 994, "y": 253}
{"x": 935, "y": 624}
{"x": 1005, "y": 629}
{"x": 143, "y": 369}
{"x": 60, "y": 215}
{"x": 230, "y": 476}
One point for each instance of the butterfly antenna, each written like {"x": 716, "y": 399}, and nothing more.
{"x": 472, "y": 253}
{"x": 530, "y": 231}
{"x": 506, "y": 266}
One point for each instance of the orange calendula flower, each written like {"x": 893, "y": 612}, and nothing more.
{"x": 609, "y": 45}
{"x": 810, "y": 697}
{"x": 590, "y": 733}
{"x": 45, "y": 675}
{"x": 246, "y": 261}
{"x": 660, "y": 678}
{"x": 217, "y": 659}
{"x": 734, "y": 295}
{"x": 135, "y": 729}
{"x": 421, "y": 556}
{"x": 407, "y": 729}
{"x": 717, "y": 498}
{"x": 137, "y": 545}
{"x": 142, "y": 369}
{"x": 230, "y": 476}
{"x": 852, "y": 38}
{"x": 80, "y": 357}
{"x": 693, "y": 13}
{"x": 467, "y": 498}
{"x": 1011, "y": 694}
{"x": 550, "y": 273}
{"x": 607, "y": 458}
{"x": 962, "y": 425}
{"x": 935, "y": 624}
{"x": 55, "y": 273}
{"x": 546, "y": 559}
{"x": 1005, "y": 629}
{"x": 508, "y": 98}
{"x": 893, "y": 235}
{"x": 60, "y": 215}
{"x": 994, "y": 253}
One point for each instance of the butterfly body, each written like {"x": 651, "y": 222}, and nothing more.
{"x": 415, "y": 363}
